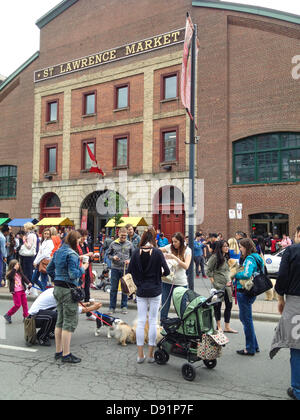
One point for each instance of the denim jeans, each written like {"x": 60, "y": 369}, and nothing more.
{"x": 245, "y": 305}
{"x": 114, "y": 280}
{"x": 295, "y": 371}
{"x": 166, "y": 299}
{"x": 44, "y": 279}
{"x": 1, "y": 268}
{"x": 199, "y": 261}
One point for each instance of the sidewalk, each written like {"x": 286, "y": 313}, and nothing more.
{"x": 262, "y": 310}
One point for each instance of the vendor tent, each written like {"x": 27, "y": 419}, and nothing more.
{"x": 134, "y": 221}
{"x": 4, "y": 221}
{"x": 21, "y": 222}
{"x": 55, "y": 221}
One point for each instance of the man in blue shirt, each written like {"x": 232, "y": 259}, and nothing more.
{"x": 198, "y": 255}
{"x": 162, "y": 241}
{"x": 4, "y": 231}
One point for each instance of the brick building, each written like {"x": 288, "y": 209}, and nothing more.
{"x": 109, "y": 77}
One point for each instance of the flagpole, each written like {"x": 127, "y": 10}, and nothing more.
{"x": 192, "y": 158}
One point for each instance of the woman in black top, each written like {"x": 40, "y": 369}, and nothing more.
{"x": 146, "y": 269}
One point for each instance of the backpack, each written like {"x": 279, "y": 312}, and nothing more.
{"x": 30, "y": 331}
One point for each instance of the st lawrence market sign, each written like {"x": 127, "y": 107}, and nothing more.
{"x": 109, "y": 56}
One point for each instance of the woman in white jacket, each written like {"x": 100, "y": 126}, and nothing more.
{"x": 44, "y": 253}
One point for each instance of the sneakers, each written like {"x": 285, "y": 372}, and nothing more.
{"x": 7, "y": 318}
{"x": 58, "y": 356}
{"x": 70, "y": 358}
{"x": 140, "y": 359}
{"x": 124, "y": 311}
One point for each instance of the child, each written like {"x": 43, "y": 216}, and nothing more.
{"x": 17, "y": 286}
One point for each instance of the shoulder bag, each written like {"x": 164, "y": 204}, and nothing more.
{"x": 260, "y": 283}
{"x": 127, "y": 284}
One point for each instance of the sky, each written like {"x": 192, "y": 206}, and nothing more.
{"x": 19, "y": 35}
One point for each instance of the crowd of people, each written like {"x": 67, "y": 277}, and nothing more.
{"x": 157, "y": 268}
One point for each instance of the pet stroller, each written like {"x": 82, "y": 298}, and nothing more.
{"x": 194, "y": 327}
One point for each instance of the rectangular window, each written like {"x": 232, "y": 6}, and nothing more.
{"x": 169, "y": 146}
{"x": 170, "y": 86}
{"x": 89, "y": 103}
{"x": 51, "y": 159}
{"x": 52, "y": 111}
{"x": 86, "y": 160}
{"x": 8, "y": 181}
{"x": 121, "y": 152}
{"x": 290, "y": 164}
{"x": 267, "y": 166}
{"x": 245, "y": 168}
{"x": 122, "y": 97}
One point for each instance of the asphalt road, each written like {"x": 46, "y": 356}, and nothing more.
{"x": 110, "y": 372}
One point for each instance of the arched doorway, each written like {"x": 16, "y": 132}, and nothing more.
{"x": 99, "y": 207}
{"x": 169, "y": 213}
{"x": 50, "y": 206}
{"x": 274, "y": 223}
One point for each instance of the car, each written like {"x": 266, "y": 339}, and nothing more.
{"x": 273, "y": 263}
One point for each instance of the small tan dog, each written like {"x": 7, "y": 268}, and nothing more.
{"x": 158, "y": 331}
{"x": 271, "y": 294}
{"x": 125, "y": 334}
{"x": 235, "y": 268}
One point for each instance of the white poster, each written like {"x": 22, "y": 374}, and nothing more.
{"x": 232, "y": 214}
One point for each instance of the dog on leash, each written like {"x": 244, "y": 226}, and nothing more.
{"x": 121, "y": 330}
{"x": 108, "y": 321}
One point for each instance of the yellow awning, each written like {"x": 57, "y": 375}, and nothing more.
{"x": 134, "y": 221}
{"x": 55, "y": 221}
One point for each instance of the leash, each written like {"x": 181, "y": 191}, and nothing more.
{"x": 95, "y": 314}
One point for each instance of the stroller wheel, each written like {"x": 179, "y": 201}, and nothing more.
{"x": 210, "y": 364}
{"x": 161, "y": 357}
{"x": 188, "y": 372}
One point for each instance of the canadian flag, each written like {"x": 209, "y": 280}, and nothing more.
{"x": 94, "y": 168}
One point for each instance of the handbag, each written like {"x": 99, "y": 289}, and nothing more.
{"x": 26, "y": 252}
{"x": 259, "y": 284}
{"x": 127, "y": 284}
{"x": 77, "y": 294}
{"x": 210, "y": 347}
{"x": 43, "y": 265}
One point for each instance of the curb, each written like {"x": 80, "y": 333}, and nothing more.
{"x": 257, "y": 316}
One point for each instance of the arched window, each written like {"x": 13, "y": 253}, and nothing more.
{"x": 8, "y": 181}
{"x": 272, "y": 157}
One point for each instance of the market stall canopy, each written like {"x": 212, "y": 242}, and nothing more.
{"x": 4, "y": 220}
{"x": 134, "y": 221}
{"x": 21, "y": 222}
{"x": 55, "y": 221}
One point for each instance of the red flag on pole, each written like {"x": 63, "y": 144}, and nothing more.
{"x": 186, "y": 70}
{"x": 94, "y": 168}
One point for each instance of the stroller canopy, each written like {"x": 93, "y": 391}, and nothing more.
{"x": 185, "y": 301}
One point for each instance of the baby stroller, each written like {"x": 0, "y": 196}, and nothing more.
{"x": 183, "y": 335}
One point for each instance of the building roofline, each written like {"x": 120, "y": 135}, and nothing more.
{"x": 247, "y": 8}
{"x": 19, "y": 70}
{"x": 53, "y": 13}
